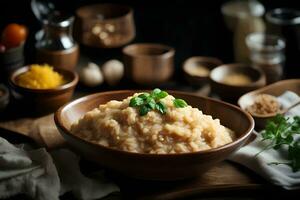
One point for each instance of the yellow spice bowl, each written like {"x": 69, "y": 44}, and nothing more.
{"x": 44, "y": 101}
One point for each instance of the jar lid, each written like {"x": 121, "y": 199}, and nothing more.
{"x": 283, "y": 16}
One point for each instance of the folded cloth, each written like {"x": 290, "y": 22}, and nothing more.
{"x": 281, "y": 175}
{"x": 42, "y": 176}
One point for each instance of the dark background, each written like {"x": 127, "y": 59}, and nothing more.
{"x": 192, "y": 27}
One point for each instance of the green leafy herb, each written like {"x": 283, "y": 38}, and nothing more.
{"x": 281, "y": 131}
{"x": 179, "y": 103}
{"x": 137, "y": 101}
{"x": 146, "y": 102}
{"x": 161, "y": 107}
{"x": 144, "y": 110}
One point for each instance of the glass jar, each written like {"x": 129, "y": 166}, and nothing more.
{"x": 267, "y": 53}
{"x": 56, "y": 45}
{"x": 285, "y": 22}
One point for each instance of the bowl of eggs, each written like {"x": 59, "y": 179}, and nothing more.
{"x": 230, "y": 81}
{"x": 43, "y": 88}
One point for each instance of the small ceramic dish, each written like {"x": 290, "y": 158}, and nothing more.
{"x": 231, "y": 92}
{"x": 44, "y": 101}
{"x": 197, "y": 69}
{"x": 155, "y": 166}
{"x": 4, "y": 97}
{"x": 275, "y": 89}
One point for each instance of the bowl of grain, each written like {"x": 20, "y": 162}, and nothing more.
{"x": 41, "y": 88}
{"x": 197, "y": 69}
{"x": 177, "y": 142}
{"x": 230, "y": 81}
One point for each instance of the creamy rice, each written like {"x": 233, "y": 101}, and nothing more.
{"x": 117, "y": 125}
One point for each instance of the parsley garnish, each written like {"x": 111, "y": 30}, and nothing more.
{"x": 146, "y": 102}
{"x": 179, "y": 103}
{"x": 281, "y": 131}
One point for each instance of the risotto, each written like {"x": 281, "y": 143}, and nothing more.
{"x": 118, "y": 125}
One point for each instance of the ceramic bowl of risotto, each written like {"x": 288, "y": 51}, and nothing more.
{"x": 170, "y": 139}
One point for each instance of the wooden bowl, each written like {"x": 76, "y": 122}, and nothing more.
{"x": 231, "y": 93}
{"x": 275, "y": 89}
{"x": 44, "y": 101}
{"x": 196, "y": 62}
{"x": 148, "y": 64}
{"x": 155, "y": 166}
{"x": 104, "y": 25}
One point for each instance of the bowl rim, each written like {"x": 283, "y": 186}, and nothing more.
{"x": 170, "y": 51}
{"x": 79, "y": 11}
{"x": 261, "y": 78}
{"x": 61, "y": 127}
{"x": 63, "y": 87}
{"x": 208, "y": 59}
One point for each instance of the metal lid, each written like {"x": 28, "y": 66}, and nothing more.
{"x": 283, "y": 16}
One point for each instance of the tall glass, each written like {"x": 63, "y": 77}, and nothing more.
{"x": 267, "y": 53}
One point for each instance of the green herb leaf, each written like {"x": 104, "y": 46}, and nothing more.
{"x": 162, "y": 95}
{"x": 161, "y": 107}
{"x": 144, "y": 95}
{"x": 281, "y": 131}
{"x": 179, "y": 103}
{"x": 155, "y": 92}
{"x": 144, "y": 110}
{"x": 136, "y": 101}
{"x": 151, "y": 104}
{"x": 146, "y": 102}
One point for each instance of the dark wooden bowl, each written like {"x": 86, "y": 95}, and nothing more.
{"x": 148, "y": 64}
{"x": 231, "y": 93}
{"x": 104, "y": 25}
{"x": 275, "y": 89}
{"x": 155, "y": 166}
{"x": 196, "y": 61}
{"x": 44, "y": 101}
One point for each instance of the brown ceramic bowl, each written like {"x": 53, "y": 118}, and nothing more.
{"x": 155, "y": 166}
{"x": 193, "y": 63}
{"x": 275, "y": 89}
{"x": 229, "y": 92}
{"x": 104, "y": 25}
{"x": 44, "y": 101}
{"x": 148, "y": 64}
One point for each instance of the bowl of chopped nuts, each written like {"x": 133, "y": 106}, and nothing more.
{"x": 263, "y": 105}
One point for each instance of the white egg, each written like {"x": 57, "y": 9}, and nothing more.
{"x": 113, "y": 71}
{"x": 91, "y": 75}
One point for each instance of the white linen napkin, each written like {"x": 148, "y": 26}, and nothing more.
{"x": 281, "y": 175}
{"x": 45, "y": 176}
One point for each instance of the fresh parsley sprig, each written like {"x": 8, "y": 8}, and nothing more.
{"x": 146, "y": 102}
{"x": 281, "y": 131}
